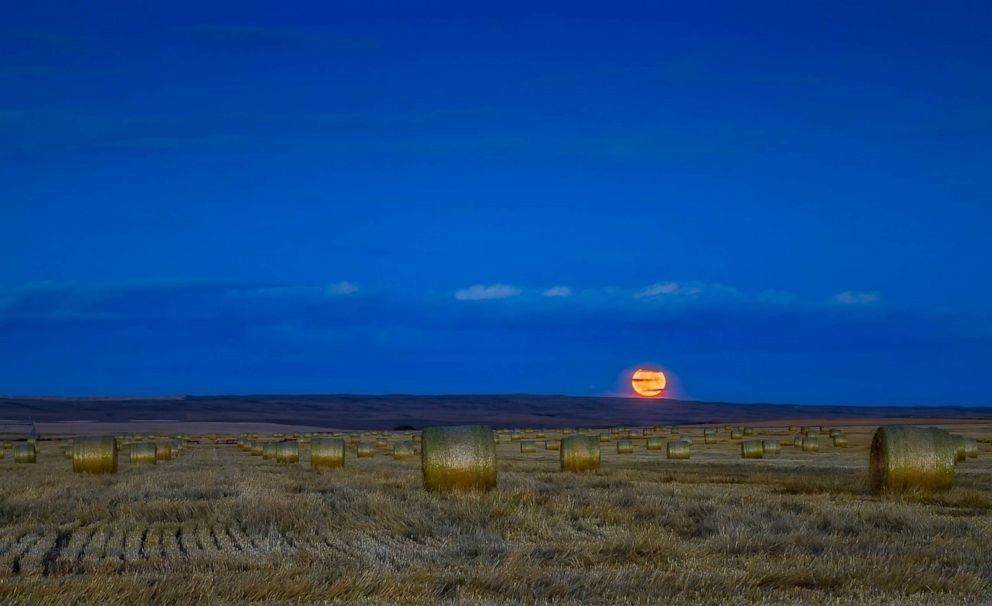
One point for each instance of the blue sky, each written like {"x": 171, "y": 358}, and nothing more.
{"x": 787, "y": 202}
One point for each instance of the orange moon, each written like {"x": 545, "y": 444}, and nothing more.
{"x": 648, "y": 383}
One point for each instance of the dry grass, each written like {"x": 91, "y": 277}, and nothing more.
{"x": 218, "y": 525}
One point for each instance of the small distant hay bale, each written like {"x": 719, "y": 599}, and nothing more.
{"x": 94, "y": 454}
{"x": 903, "y": 458}
{"x": 687, "y": 440}
{"x": 326, "y": 453}
{"x": 527, "y": 446}
{"x": 678, "y": 449}
{"x": 25, "y": 452}
{"x": 288, "y": 452}
{"x": 971, "y": 447}
{"x": 960, "y": 449}
{"x": 163, "y": 451}
{"x": 459, "y": 458}
{"x": 835, "y": 431}
{"x": 270, "y": 450}
{"x": 404, "y": 449}
{"x": 709, "y": 431}
{"x": 605, "y": 437}
{"x": 839, "y": 440}
{"x": 365, "y": 449}
{"x": 771, "y": 446}
{"x": 255, "y": 448}
{"x": 142, "y": 453}
{"x": 539, "y": 435}
{"x": 792, "y": 428}
{"x": 736, "y": 434}
{"x": 748, "y": 431}
{"x": 710, "y": 439}
{"x": 625, "y": 447}
{"x": 553, "y": 444}
{"x": 579, "y": 453}
{"x": 633, "y": 434}
{"x": 810, "y": 444}
{"x": 516, "y": 436}
{"x": 752, "y": 449}
{"x": 567, "y": 431}
{"x": 797, "y": 442}
{"x": 66, "y": 451}
{"x": 655, "y": 443}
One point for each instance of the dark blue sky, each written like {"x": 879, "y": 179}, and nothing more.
{"x": 784, "y": 202}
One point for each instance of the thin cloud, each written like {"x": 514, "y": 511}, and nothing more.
{"x": 557, "y": 291}
{"x": 482, "y": 292}
{"x": 855, "y": 297}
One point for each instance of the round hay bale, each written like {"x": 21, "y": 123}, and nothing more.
{"x": 326, "y": 453}
{"x": 25, "y": 453}
{"x": 748, "y": 431}
{"x": 163, "y": 451}
{"x": 516, "y": 436}
{"x": 771, "y": 446}
{"x": 605, "y": 437}
{"x": 959, "y": 446}
{"x": 971, "y": 447}
{"x": 709, "y": 431}
{"x": 365, "y": 449}
{"x": 835, "y": 431}
{"x": 677, "y": 449}
{"x": 66, "y": 451}
{"x": 552, "y": 444}
{"x": 752, "y": 449}
{"x": 710, "y": 439}
{"x": 736, "y": 434}
{"x": 94, "y": 454}
{"x": 527, "y": 446}
{"x": 839, "y": 440}
{"x": 404, "y": 450}
{"x": 687, "y": 440}
{"x": 579, "y": 453}
{"x": 142, "y": 453}
{"x": 797, "y": 442}
{"x": 904, "y": 458}
{"x": 459, "y": 458}
{"x": 625, "y": 447}
{"x": 654, "y": 443}
{"x": 288, "y": 452}
{"x": 810, "y": 444}
{"x": 270, "y": 450}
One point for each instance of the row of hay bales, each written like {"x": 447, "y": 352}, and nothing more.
{"x": 98, "y": 454}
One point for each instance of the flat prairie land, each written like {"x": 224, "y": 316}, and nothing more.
{"x": 218, "y": 525}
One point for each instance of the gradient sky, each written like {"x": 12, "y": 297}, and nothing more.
{"x": 780, "y": 201}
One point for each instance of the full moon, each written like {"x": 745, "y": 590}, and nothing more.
{"x": 648, "y": 383}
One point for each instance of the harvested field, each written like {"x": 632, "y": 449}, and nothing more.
{"x": 217, "y": 525}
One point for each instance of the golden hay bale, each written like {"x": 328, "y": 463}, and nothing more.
{"x": 839, "y": 440}
{"x": 710, "y": 439}
{"x": 810, "y": 444}
{"x": 552, "y": 444}
{"x": 709, "y": 431}
{"x": 904, "y": 458}
{"x": 567, "y": 431}
{"x": 771, "y": 446}
{"x": 654, "y": 443}
{"x": 687, "y": 440}
{"x": 625, "y": 447}
{"x": 270, "y": 450}
{"x": 971, "y": 447}
{"x": 752, "y": 449}
{"x": 835, "y": 431}
{"x": 605, "y": 437}
{"x": 792, "y": 428}
{"x": 797, "y": 442}
{"x": 25, "y": 453}
{"x": 539, "y": 435}
{"x": 516, "y": 436}
{"x": 94, "y": 454}
{"x": 326, "y": 453}
{"x": 677, "y": 449}
{"x": 163, "y": 451}
{"x": 365, "y": 449}
{"x": 404, "y": 450}
{"x": 527, "y": 446}
{"x": 381, "y": 444}
{"x": 736, "y": 434}
{"x": 748, "y": 431}
{"x": 458, "y": 458}
{"x": 960, "y": 448}
{"x": 579, "y": 453}
{"x": 142, "y": 452}
{"x": 288, "y": 452}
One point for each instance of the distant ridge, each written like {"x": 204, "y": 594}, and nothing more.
{"x": 388, "y": 411}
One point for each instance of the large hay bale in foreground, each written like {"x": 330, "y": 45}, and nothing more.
{"x": 904, "y": 458}
{"x": 288, "y": 452}
{"x": 579, "y": 453}
{"x": 142, "y": 453}
{"x": 771, "y": 446}
{"x": 458, "y": 458}
{"x": 752, "y": 449}
{"x": 654, "y": 443}
{"x": 94, "y": 454}
{"x": 677, "y": 449}
{"x": 625, "y": 447}
{"x": 404, "y": 450}
{"x": 326, "y": 453}
{"x": 25, "y": 453}
{"x": 270, "y": 450}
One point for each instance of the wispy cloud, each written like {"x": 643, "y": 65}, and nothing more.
{"x": 481, "y": 292}
{"x": 557, "y": 291}
{"x": 855, "y": 297}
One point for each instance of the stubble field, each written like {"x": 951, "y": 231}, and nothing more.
{"x": 218, "y": 525}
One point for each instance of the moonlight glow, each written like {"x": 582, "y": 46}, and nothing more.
{"x": 648, "y": 383}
